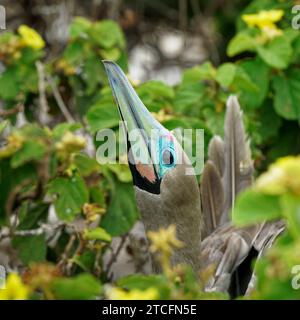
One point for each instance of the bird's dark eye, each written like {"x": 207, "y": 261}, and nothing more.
{"x": 167, "y": 158}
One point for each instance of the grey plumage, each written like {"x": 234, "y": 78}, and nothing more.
{"x": 238, "y": 168}
{"x": 231, "y": 249}
{"x": 212, "y": 198}
{"x": 216, "y": 153}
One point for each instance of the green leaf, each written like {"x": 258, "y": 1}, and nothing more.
{"x": 225, "y": 74}
{"x": 240, "y": 43}
{"x": 155, "y": 95}
{"x": 85, "y": 164}
{"x": 243, "y": 82}
{"x": 291, "y": 211}
{"x": 63, "y": 128}
{"x": 252, "y": 68}
{"x": 30, "y": 214}
{"x": 9, "y": 86}
{"x": 188, "y": 97}
{"x": 30, "y": 150}
{"x": 277, "y": 53}
{"x": 122, "y": 171}
{"x": 110, "y": 54}
{"x": 10, "y": 179}
{"x": 205, "y": 71}
{"x": 107, "y": 34}
{"x": 81, "y": 287}
{"x": 69, "y": 195}
{"x": 144, "y": 282}
{"x": 74, "y": 52}
{"x": 102, "y": 116}
{"x": 252, "y": 207}
{"x": 92, "y": 73}
{"x": 3, "y": 125}
{"x": 97, "y": 234}
{"x": 79, "y": 27}
{"x": 30, "y": 248}
{"x": 122, "y": 212}
{"x": 287, "y": 94}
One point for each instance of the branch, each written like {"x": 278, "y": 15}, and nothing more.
{"x": 60, "y": 101}
{"x": 44, "y": 108}
{"x": 9, "y": 112}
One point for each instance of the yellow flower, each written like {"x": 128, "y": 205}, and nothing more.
{"x": 92, "y": 211}
{"x": 283, "y": 176}
{"x": 164, "y": 240}
{"x": 14, "y": 143}
{"x": 162, "y": 115}
{"x": 265, "y": 21}
{"x": 70, "y": 143}
{"x": 15, "y": 289}
{"x": 135, "y": 294}
{"x": 31, "y": 38}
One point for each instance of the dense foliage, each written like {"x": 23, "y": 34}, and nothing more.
{"x": 60, "y": 208}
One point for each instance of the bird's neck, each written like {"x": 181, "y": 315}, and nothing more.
{"x": 185, "y": 214}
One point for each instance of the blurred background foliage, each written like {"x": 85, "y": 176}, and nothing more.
{"x": 59, "y": 208}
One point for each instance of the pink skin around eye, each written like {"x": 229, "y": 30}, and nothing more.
{"x": 146, "y": 171}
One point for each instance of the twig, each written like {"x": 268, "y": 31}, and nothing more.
{"x": 114, "y": 255}
{"x": 44, "y": 108}
{"x": 183, "y": 14}
{"x": 6, "y": 113}
{"x": 60, "y": 101}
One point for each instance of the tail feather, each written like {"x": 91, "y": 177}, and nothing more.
{"x": 216, "y": 153}
{"x": 238, "y": 168}
{"x": 212, "y": 197}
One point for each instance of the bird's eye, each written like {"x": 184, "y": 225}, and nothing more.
{"x": 167, "y": 158}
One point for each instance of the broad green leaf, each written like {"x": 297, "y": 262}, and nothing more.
{"x": 80, "y": 287}
{"x": 205, "y": 71}
{"x": 3, "y": 125}
{"x": 79, "y": 27}
{"x": 252, "y": 207}
{"x": 258, "y": 73}
{"x": 122, "y": 171}
{"x": 122, "y": 212}
{"x": 102, "y": 116}
{"x": 155, "y": 95}
{"x": 10, "y": 179}
{"x": 240, "y": 43}
{"x": 225, "y": 74}
{"x": 287, "y": 94}
{"x": 110, "y": 54}
{"x": 97, "y": 234}
{"x": 69, "y": 195}
{"x": 291, "y": 211}
{"x": 92, "y": 73}
{"x": 107, "y": 34}
{"x": 74, "y": 52}
{"x": 62, "y": 128}
{"x": 277, "y": 53}
{"x": 9, "y": 85}
{"x": 30, "y": 151}
{"x": 30, "y": 214}
{"x": 242, "y": 82}
{"x": 85, "y": 164}
{"x": 30, "y": 248}
{"x": 188, "y": 97}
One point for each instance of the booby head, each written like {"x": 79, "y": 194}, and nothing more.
{"x": 165, "y": 190}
